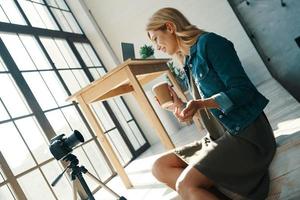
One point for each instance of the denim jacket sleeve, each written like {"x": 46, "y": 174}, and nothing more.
{"x": 224, "y": 60}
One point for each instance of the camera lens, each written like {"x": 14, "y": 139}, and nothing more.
{"x": 74, "y": 139}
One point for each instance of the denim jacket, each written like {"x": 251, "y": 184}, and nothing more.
{"x": 218, "y": 73}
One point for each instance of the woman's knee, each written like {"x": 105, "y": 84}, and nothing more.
{"x": 183, "y": 186}
{"x": 191, "y": 179}
{"x": 186, "y": 190}
{"x": 162, "y": 165}
{"x": 158, "y": 167}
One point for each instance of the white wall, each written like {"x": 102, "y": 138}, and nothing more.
{"x": 124, "y": 21}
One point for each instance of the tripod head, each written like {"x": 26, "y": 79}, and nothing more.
{"x": 72, "y": 159}
{"x": 73, "y": 165}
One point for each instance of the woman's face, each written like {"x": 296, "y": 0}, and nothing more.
{"x": 165, "y": 41}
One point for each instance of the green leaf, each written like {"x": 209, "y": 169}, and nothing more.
{"x": 146, "y": 51}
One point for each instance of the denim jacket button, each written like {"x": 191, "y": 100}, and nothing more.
{"x": 220, "y": 116}
{"x": 237, "y": 128}
{"x": 190, "y": 65}
{"x": 200, "y": 75}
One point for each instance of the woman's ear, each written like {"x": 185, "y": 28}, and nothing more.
{"x": 170, "y": 27}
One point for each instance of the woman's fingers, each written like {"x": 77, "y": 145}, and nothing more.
{"x": 187, "y": 112}
{"x": 179, "y": 115}
{"x": 172, "y": 92}
{"x": 157, "y": 99}
{"x": 176, "y": 112}
{"x": 185, "y": 119}
{"x": 189, "y": 109}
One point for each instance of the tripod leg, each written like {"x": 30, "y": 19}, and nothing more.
{"x": 74, "y": 191}
{"x": 103, "y": 185}
{"x": 85, "y": 186}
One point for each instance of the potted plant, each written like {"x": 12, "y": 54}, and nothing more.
{"x": 146, "y": 51}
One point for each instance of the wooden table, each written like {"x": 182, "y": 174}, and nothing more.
{"x": 126, "y": 78}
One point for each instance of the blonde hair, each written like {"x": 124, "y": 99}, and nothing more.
{"x": 186, "y": 33}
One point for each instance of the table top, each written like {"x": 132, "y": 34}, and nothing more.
{"x": 141, "y": 69}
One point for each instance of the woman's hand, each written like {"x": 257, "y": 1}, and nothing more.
{"x": 189, "y": 111}
{"x": 176, "y": 100}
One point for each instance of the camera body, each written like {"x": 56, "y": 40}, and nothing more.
{"x": 60, "y": 147}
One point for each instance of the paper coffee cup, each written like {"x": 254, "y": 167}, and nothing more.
{"x": 163, "y": 95}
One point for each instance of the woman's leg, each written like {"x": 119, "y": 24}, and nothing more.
{"x": 186, "y": 180}
{"x": 167, "y": 169}
{"x": 193, "y": 185}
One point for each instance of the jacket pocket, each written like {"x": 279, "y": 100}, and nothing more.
{"x": 201, "y": 71}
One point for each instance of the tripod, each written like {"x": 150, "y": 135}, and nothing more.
{"x": 77, "y": 173}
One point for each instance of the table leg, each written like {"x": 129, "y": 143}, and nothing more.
{"x": 145, "y": 105}
{"x": 104, "y": 142}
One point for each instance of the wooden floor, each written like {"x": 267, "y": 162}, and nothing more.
{"x": 283, "y": 112}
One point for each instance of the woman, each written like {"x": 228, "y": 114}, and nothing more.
{"x": 236, "y": 154}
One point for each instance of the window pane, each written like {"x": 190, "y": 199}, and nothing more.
{"x": 58, "y": 122}
{"x": 32, "y": 14}
{"x": 55, "y": 54}
{"x": 70, "y": 80}
{"x": 104, "y": 118}
{"x": 102, "y": 71}
{"x": 87, "y": 60}
{"x": 72, "y": 22}
{"x": 119, "y": 146}
{"x": 98, "y": 160}
{"x": 2, "y": 176}
{"x": 12, "y": 97}
{"x": 33, "y": 135}
{"x": 38, "y": 1}
{"x": 12, "y": 12}
{"x": 123, "y": 108}
{"x": 93, "y": 56}
{"x": 17, "y": 51}
{"x": 124, "y": 124}
{"x": 75, "y": 79}
{"x": 46, "y": 17}
{"x": 3, "y": 17}
{"x": 55, "y": 87}
{"x": 35, "y": 187}
{"x": 52, "y": 3}
{"x": 3, "y": 113}
{"x": 67, "y": 53}
{"x": 137, "y": 132}
{"x": 81, "y": 77}
{"x": 40, "y": 90}
{"x": 94, "y": 73}
{"x": 61, "y": 4}
{"x": 76, "y": 122}
{"x": 2, "y": 65}
{"x": 5, "y": 193}
{"x": 62, "y": 189}
{"x": 14, "y": 150}
{"x": 131, "y": 136}
{"x": 35, "y": 52}
{"x": 61, "y": 20}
